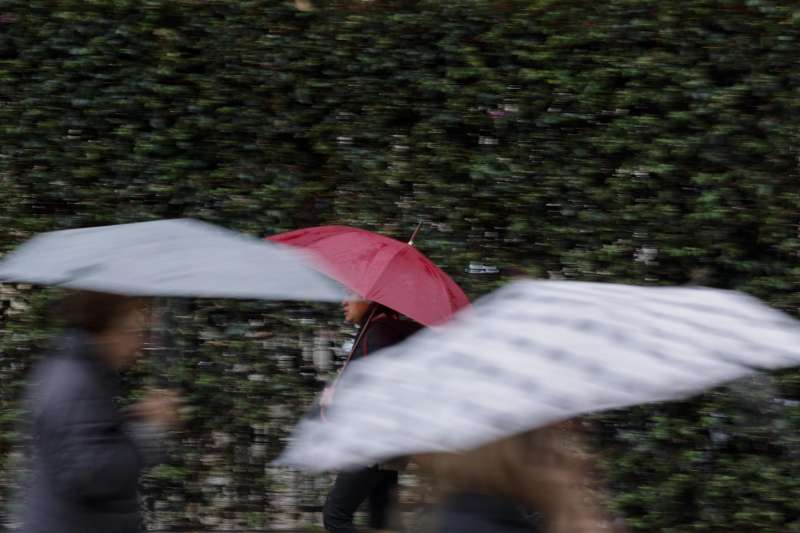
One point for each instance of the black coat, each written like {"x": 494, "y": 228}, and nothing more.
{"x": 383, "y": 331}
{"x": 86, "y": 461}
{"x": 479, "y": 513}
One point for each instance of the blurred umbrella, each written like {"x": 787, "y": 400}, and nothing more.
{"x": 383, "y": 270}
{"x": 181, "y": 257}
{"x": 536, "y": 352}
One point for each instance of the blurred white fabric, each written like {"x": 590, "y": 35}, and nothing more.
{"x": 536, "y": 352}
{"x": 179, "y": 257}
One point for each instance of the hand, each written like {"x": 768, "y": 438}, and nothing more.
{"x": 326, "y": 399}
{"x": 159, "y": 406}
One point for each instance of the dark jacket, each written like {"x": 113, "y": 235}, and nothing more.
{"x": 86, "y": 463}
{"x": 383, "y": 331}
{"x": 480, "y": 513}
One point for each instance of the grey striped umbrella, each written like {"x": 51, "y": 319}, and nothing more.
{"x": 181, "y": 257}
{"x": 536, "y": 352}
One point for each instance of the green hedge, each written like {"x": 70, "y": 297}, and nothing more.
{"x": 635, "y": 141}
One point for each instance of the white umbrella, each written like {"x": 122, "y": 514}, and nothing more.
{"x": 181, "y": 257}
{"x": 536, "y": 352}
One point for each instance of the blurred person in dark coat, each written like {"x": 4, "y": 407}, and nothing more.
{"x": 87, "y": 453}
{"x": 377, "y": 483}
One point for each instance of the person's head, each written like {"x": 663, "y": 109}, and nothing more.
{"x": 355, "y": 308}
{"x": 117, "y": 324}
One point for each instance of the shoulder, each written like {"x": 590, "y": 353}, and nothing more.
{"x": 393, "y": 328}
{"x": 58, "y": 384}
{"x": 380, "y": 327}
{"x": 385, "y": 332}
{"x": 63, "y": 375}
{"x": 381, "y": 331}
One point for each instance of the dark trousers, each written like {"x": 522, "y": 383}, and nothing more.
{"x": 351, "y": 490}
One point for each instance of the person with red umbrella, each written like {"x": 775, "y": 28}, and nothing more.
{"x": 395, "y": 290}
{"x": 380, "y": 327}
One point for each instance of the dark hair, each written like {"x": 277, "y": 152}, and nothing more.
{"x": 380, "y": 309}
{"x": 95, "y": 312}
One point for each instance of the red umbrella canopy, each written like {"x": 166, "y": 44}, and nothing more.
{"x": 381, "y": 269}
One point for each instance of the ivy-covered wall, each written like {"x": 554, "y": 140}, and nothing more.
{"x": 638, "y": 141}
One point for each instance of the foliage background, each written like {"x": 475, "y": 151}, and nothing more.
{"x": 635, "y": 141}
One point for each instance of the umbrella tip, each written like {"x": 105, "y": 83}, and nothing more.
{"x": 414, "y": 235}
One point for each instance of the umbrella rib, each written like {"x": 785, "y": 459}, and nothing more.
{"x": 384, "y": 273}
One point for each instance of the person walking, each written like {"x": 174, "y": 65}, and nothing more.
{"x": 88, "y": 453}
{"x": 380, "y": 327}
{"x": 396, "y": 290}
{"x": 534, "y": 482}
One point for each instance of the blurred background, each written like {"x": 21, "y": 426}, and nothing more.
{"x": 646, "y": 142}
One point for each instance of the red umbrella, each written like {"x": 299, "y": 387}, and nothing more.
{"x": 381, "y": 269}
